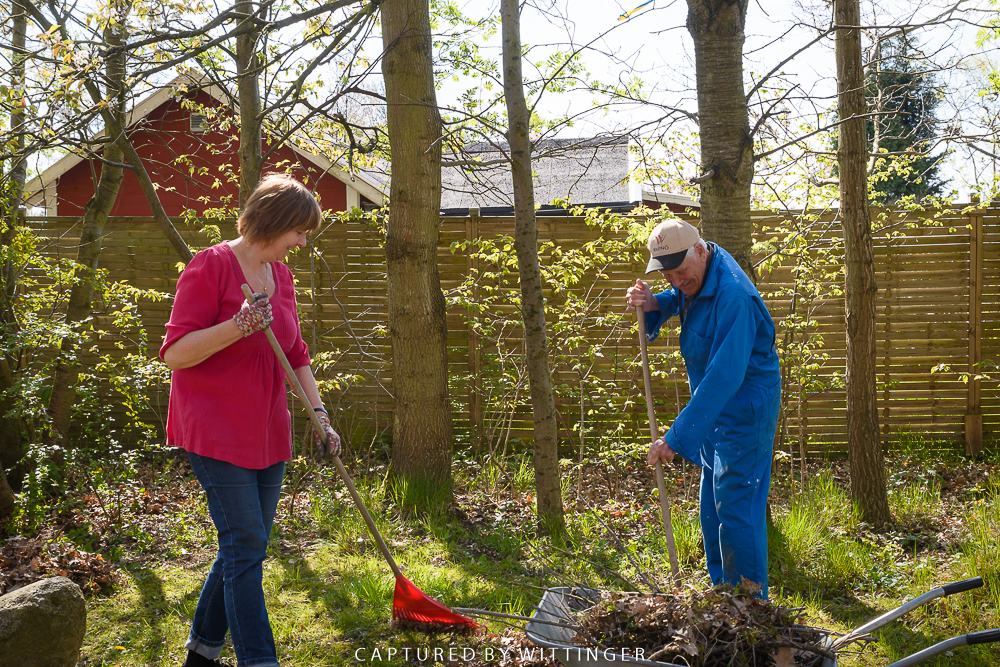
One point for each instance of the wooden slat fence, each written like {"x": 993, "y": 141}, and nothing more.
{"x": 938, "y": 303}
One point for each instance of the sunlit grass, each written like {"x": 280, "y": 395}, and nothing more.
{"x": 913, "y": 503}
{"x": 687, "y": 538}
{"x": 804, "y": 529}
{"x": 981, "y": 551}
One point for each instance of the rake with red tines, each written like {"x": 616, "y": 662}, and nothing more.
{"x": 411, "y": 607}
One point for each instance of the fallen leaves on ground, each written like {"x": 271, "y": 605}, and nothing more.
{"x": 24, "y": 560}
{"x": 715, "y": 627}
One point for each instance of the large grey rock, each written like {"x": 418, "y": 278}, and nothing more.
{"x": 42, "y": 624}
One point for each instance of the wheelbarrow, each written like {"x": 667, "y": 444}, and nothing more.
{"x": 551, "y": 628}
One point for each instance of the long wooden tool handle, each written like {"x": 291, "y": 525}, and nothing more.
{"x": 318, "y": 425}
{"x": 668, "y": 529}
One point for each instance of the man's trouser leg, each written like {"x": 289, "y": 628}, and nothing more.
{"x": 742, "y": 479}
{"x": 709, "y": 516}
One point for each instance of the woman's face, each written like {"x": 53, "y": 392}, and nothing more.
{"x": 278, "y": 249}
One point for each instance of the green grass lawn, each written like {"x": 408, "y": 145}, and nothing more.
{"x": 329, "y": 591}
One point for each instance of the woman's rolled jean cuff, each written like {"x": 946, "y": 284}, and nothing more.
{"x": 206, "y": 650}
{"x": 203, "y": 648}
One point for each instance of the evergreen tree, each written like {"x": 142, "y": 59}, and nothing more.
{"x": 905, "y": 99}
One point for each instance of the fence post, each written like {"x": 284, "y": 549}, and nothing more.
{"x": 890, "y": 265}
{"x": 475, "y": 400}
{"x": 974, "y": 413}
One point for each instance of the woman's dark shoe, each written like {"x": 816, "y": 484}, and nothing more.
{"x": 198, "y": 660}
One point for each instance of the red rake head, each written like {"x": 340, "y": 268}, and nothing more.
{"x": 409, "y": 603}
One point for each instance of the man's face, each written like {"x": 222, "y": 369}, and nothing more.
{"x": 690, "y": 275}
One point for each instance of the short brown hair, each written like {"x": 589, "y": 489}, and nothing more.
{"x": 279, "y": 203}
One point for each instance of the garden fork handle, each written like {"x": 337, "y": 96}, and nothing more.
{"x": 325, "y": 452}
{"x": 668, "y": 529}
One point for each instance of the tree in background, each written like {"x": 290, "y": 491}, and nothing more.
{"x": 11, "y": 192}
{"x": 543, "y": 406}
{"x": 501, "y": 110}
{"x": 868, "y": 490}
{"x": 249, "y": 63}
{"x": 422, "y": 429}
{"x": 78, "y": 309}
{"x": 904, "y": 99}
{"x": 727, "y": 150}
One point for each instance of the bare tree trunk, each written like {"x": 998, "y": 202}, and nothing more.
{"x": 11, "y": 440}
{"x": 66, "y": 372}
{"x": 247, "y": 69}
{"x": 543, "y": 405}
{"x": 13, "y": 191}
{"x": 422, "y": 430}
{"x": 19, "y": 165}
{"x": 717, "y": 26}
{"x": 868, "y": 489}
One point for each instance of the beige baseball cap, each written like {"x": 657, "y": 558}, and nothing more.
{"x": 668, "y": 244}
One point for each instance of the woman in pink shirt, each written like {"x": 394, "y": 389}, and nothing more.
{"x": 229, "y": 409}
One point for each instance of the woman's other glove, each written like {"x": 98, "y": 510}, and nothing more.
{"x": 324, "y": 447}
{"x": 254, "y": 317}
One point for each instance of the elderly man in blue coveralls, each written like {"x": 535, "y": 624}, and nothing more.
{"x": 727, "y": 341}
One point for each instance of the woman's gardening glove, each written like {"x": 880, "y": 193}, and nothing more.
{"x": 254, "y": 317}
{"x": 332, "y": 447}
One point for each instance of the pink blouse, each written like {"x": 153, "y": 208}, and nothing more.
{"x": 232, "y": 406}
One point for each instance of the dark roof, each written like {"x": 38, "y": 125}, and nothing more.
{"x": 585, "y": 171}
{"x": 544, "y": 211}
{"x": 548, "y": 145}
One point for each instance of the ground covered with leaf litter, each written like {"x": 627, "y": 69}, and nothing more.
{"x": 25, "y": 560}
{"x": 717, "y": 627}
{"x": 702, "y": 628}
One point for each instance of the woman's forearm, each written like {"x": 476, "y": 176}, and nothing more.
{"x": 197, "y": 346}
{"x": 308, "y": 382}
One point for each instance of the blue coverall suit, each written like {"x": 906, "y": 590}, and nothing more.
{"x": 727, "y": 341}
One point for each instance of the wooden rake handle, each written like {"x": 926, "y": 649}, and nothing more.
{"x": 668, "y": 529}
{"x": 318, "y": 425}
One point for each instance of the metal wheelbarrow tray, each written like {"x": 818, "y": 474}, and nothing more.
{"x": 558, "y": 604}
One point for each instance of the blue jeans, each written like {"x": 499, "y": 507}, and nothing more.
{"x": 242, "y": 503}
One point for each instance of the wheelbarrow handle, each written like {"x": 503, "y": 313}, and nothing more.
{"x": 981, "y": 637}
{"x": 907, "y": 607}
{"x": 962, "y": 586}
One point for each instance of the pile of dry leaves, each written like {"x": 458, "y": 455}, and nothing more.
{"x": 24, "y": 560}
{"x": 718, "y": 626}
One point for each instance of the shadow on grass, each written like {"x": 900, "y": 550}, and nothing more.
{"x": 350, "y": 598}
{"x": 142, "y": 627}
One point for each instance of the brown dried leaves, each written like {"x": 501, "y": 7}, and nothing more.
{"x": 24, "y": 560}
{"x": 720, "y": 626}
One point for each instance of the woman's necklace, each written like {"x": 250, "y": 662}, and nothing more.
{"x": 261, "y": 277}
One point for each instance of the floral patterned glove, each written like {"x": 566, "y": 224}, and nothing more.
{"x": 323, "y": 446}
{"x": 254, "y": 317}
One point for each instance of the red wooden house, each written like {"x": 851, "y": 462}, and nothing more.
{"x": 191, "y": 159}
